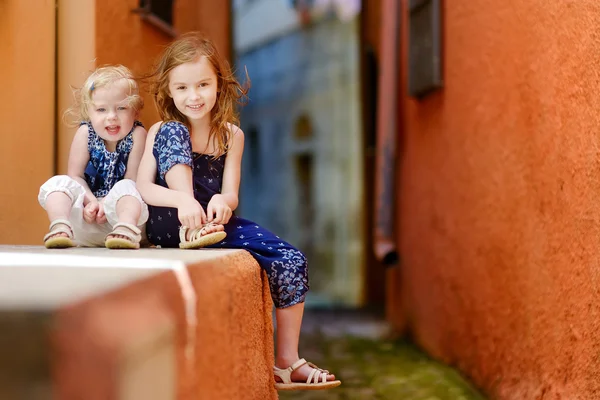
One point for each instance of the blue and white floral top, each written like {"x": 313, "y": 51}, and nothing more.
{"x": 106, "y": 168}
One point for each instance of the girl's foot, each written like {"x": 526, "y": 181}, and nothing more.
{"x": 302, "y": 375}
{"x": 207, "y": 229}
{"x": 60, "y": 235}
{"x": 124, "y": 236}
{"x": 196, "y": 238}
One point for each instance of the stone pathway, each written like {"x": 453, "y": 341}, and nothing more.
{"x": 353, "y": 345}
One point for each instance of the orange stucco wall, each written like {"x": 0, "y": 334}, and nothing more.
{"x": 27, "y": 115}
{"x": 499, "y": 200}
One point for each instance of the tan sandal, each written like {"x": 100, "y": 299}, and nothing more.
{"x": 131, "y": 232}
{"x": 59, "y": 242}
{"x": 198, "y": 238}
{"x": 312, "y": 383}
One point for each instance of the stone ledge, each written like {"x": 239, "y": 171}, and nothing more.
{"x": 100, "y": 324}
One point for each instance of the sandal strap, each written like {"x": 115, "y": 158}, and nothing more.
{"x": 131, "y": 227}
{"x": 297, "y": 365}
{"x": 54, "y": 231}
{"x": 182, "y": 233}
{"x": 286, "y": 373}
{"x": 60, "y": 221}
{"x": 130, "y": 231}
{"x": 194, "y": 234}
{"x": 197, "y": 233}
{"x": 314, "y": 366}
{"x": 317, "y": 373}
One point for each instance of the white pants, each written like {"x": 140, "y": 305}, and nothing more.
{"x": 92, "y": 235}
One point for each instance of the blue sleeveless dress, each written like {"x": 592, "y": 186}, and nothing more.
{"x": 106, "y": 168}
{"x": 285, "y": 265}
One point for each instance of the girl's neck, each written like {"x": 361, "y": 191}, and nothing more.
{"x": 200, "y": 128}
{"x": 199, "y": 133}
{"x": 110, "y": 146}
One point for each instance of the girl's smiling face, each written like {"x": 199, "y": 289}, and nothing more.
{"x": 193, "y": 88}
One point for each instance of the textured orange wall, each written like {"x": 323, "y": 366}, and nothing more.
{"x": 27, "y": 115}
{"x": 500, "y": 200}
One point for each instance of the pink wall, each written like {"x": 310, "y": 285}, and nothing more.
{"x": 499, "y": 193}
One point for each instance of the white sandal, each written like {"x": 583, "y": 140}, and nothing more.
{"x": 198, "y": 238}
{"x": 59, "y": 242}
{"x": 312, "y": 383}
{"x": 131, "y": 232}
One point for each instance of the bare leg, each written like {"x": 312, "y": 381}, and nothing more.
{"x": 58, "y": 206}
{"x": 128, "y": 211}
{"x": 289, "y": 321}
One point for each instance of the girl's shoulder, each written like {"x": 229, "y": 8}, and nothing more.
{"x": 161, "y": 125}
{"x": 236, "y": 140}
{"x": 235, "y": 130}
{"x": 154, "y": 128}
{"x": 138, "y": 129}
{"x": 82, "y": 134}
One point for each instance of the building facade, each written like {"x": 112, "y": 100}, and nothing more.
{"x": 303, "y": 162}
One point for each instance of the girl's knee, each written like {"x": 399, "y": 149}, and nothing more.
{"x": 126, "y": 190}
{"x": 60, "y": 183}
{"x": 124, "y": 186}
{"x": 289, "y": 279}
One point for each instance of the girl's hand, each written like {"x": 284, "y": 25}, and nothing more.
{"x": 190, "y": 212}
{"x": 101, "y": 216}
{"x": 90, "y": 211}
{"x": 218, "y": 211}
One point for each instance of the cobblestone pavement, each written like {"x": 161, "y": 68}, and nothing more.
{"x": 353, "y": 346}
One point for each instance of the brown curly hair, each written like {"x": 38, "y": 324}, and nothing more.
{"x": 188, "y": 48}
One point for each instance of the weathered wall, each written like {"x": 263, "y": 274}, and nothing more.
{"x": 76, "y": 58}
{"x": 500, "y": 217}
{"x": 302, "y": 171}
{"x": 27, "y": 115}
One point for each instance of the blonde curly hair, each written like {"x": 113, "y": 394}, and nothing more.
{"x": 102, "y": 77}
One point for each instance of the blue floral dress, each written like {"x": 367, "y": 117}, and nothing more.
{"x": 285, "y": 265}
{"x": 106, "y": 168}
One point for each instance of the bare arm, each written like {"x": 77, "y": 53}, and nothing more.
{"x": 221, "y": 206}
{"x": 152, "y": 193}
{"x": 78, "y": 160}
{"x": 233, "y": 169}
{"x": 135, "y": 157}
